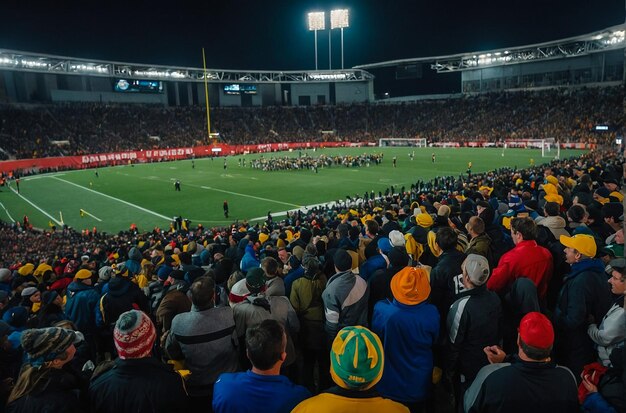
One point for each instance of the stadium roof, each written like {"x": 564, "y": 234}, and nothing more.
{"x": 611, "y": 38}
{"x": 42, "y": 63}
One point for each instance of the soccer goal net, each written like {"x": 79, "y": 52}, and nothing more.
{"x": 412, "y": 142}
{"x": 550, "y": 149}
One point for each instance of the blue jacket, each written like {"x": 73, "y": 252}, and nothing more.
{"x": 408, "y": 333}
{"x": 292, "y": 275}
{"x": 369, "y": 267}
{"x": 249, "y": 260}
{"x": 251, "y": 392}
{"x": 81, "y": 303}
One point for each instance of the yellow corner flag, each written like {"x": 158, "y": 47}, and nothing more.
{"x": 50, "y": 224}
{"x": 82, "y": 213}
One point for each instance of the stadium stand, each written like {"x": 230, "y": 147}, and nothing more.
{"x": 76, "y": 129}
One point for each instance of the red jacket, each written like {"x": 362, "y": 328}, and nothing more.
{"x": 527, "y": 260}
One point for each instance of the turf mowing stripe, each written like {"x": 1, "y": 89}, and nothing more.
{"x": 36, "y": 207}
{"x": 249, "y": 196}
{"x": 116, "y": 199}
{"x": 7, "y": 211}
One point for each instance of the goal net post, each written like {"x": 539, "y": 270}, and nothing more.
{"x": 402, "y": 142}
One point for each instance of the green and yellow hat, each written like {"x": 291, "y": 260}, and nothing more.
{"x": 356, "y": 359}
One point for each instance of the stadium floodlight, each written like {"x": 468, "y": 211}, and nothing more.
{"x": 339, "y": 19}
{"x": 317, "y": 21}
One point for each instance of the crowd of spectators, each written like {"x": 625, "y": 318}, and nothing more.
{"x": 499, "y": 292}
{"x": 74, "y": 129}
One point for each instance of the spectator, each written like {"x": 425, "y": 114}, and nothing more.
{"x": 611, "y": 332}
{"x": 345, "y": 297}
{"x": 357, "y": 365}
{"x": 408, "y": 327}
{"x": 445, "y": 272}
{"x": 43, "y": 384}
{"x": 479, "y": 242}
{"x": 585, "y": 295}
{"x": 205, "y": 339}
{"x": 262, "y": 385}
{"x": 529, "y": 382}
{"x": 136, "y": 381}
{"x": 473, "y": 323}
{"x": 306, "y": 298}
{"x": 527, "y": 260}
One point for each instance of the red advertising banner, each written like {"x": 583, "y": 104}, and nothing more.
{"x": 156, "y": 155}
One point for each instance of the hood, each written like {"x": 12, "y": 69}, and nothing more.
{"x": 76, "y": 287}
{"x": 119, "y": 286}
{"x": 553, "y": 222}
{"x": 588, "y": 265}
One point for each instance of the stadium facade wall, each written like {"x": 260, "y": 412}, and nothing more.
{"x": 592, "y": 68}
{"x": 32, "y": 87}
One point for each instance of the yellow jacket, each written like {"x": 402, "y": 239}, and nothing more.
{"x": 328, "y": 402}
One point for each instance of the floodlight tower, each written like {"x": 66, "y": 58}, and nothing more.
{"x": 339, "y": 19}
{"x": 317, "y": 21}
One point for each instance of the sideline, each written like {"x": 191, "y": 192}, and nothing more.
{"x": 7, "y": 211}
{"x": 169, "y": 219}
{"x": 36, "y": 207}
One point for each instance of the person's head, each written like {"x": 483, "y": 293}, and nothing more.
{"x": 446, "y": 238}
{"x": 255, "y": 280}
{"x": 475, "y": 226}
{"x": 266, "y": 345}
{"x": 611, "y": 212}
{"x": 384, "y": 245}
{"x": 475, "y": 270}
{"x": 32, "y": 294}
{"x": 134, "y": 335}
{"x": 577, "y": 213}
{"x": 83, "y": 276}
{"x": 51, "y": 347}
{"x": 342, "y": 260}
{"x": 203, "y": 293}
{"x": 283, "y": 255}
{"x": 357, "y": 359}
{"x": 52, "y": 297}
{"x": 551, "y": 209}
{"x": 536, "y": 337}
{"x": 523, "y": 229}
{"x": 579, "y": 247}
{"x": 372, "y": 227}
{"x": 410, "y": 286}
{"x": 618, "y": 279}
{"x": 270, "y": 266}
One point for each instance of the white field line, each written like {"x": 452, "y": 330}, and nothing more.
{"x": 7, "y": 211}
{"x": 115, "y": 199}
{"x": 37, "y": 208}
{"x": 91, "y": 215}
{"x": 251, "y": 196}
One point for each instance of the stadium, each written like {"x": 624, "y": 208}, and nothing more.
{"x": 173, "y": 208}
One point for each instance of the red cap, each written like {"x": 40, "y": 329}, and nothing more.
{"x": 536, "y": 330}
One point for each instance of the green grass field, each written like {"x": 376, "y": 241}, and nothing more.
{"x": 144, "y": 194}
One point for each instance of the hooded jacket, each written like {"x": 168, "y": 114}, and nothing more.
{"x": 611, "y": 332}
{"x": 585, "y": 293}
{"x": 123, "y": 295}
{"x": 556, "y": 225}
{"x": 82, "y": 300}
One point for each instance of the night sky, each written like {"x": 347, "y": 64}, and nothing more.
{"x": 272, "y": 35}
